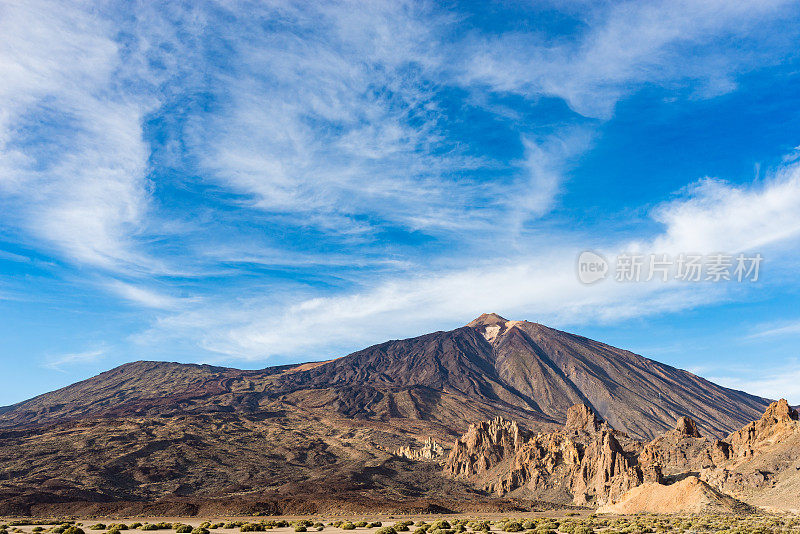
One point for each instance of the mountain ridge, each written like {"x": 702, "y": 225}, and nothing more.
{"x": 519, "y": 369}
{"x": 155, "y": 431}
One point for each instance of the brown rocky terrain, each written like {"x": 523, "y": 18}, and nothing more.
{"x": 585, "y": 462}
{"x": 588, "y": 462}
{"x": 166, "y": 432}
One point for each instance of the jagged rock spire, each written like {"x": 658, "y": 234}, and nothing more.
{"x": 687, "y": 427}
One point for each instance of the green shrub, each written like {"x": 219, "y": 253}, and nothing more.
{"x": 73, "y": 530}
{"x": 183, "y": 529}
{"x": 252, "y": 527}
{"x": 206, "y": 524}
{"x": 98, "y": 526}
{"x": 513, "y": 526}
{"x": 199, "y": 530}
{"x": 136, "y": 525}
{"x": 347, "y": 525}
{"x": 386, "y": 530}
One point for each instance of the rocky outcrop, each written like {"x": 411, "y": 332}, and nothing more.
{"x": 582, "y": 418}
{"x": 687, "y": 427}
{"x": 778, "y": 421}
{"x": 589, "y": 463}
{"x": 680, "y": 450}
{"x": 483, "y": 446}
{"x": 430, "y": 450}
{"x": 584, "y": 460}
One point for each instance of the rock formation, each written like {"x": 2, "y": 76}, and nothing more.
{"x": 483, "y": 446}
{"x": 588, "y": 462}
{"x": 584, "y": 459}
{"x": 430, "y": 450}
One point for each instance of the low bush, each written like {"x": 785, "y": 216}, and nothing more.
{"x": 199, "y": 530}
{"x": 386, "y": 530}
{"x": 183, "y": 529}
{"x": 74, "y": 530}
{"x": 136, "y": 525}
{"x": 252, "y": 527}
{"x": 300, "y": 528}
{"x": 512, "y": 526}
{"x": 98, "y": 526}
{"x": 347, "y": 525}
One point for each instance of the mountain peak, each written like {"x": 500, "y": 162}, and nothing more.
{"x": 487, "y": 319}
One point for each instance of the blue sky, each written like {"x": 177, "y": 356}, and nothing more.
{"x": 256, "y": 183}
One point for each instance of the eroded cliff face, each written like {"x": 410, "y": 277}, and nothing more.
{"x": 484, "y": 446}
{"x": 584, "y": 461}
{"x": 778, "y": 422}
{"x": 588, "y": 462}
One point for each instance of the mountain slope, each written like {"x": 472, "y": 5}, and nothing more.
{"x": 492, "y": 366}
{"x": 149, "y": 431}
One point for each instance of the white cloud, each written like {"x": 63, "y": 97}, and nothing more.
{"x": 146, "y": 297}
{"x": 340, "y": 125}
{"x": 771, "y": 383}
{"x": 775, "y": 330}
{"x": 73, "y": 158}
{"x": 543, "y": 288}
{"x": 717, "y": 216}
{"x": 58, "y": 362}
{"x": 626, "y": 45}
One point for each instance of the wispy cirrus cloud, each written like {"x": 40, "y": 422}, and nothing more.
{"x": 74, "y": 161}
{"x": 622, "y": 47}
{"x": 783, "y": 328}
{"x": 59, "y": 362}
{"x": 259, "y": 328}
